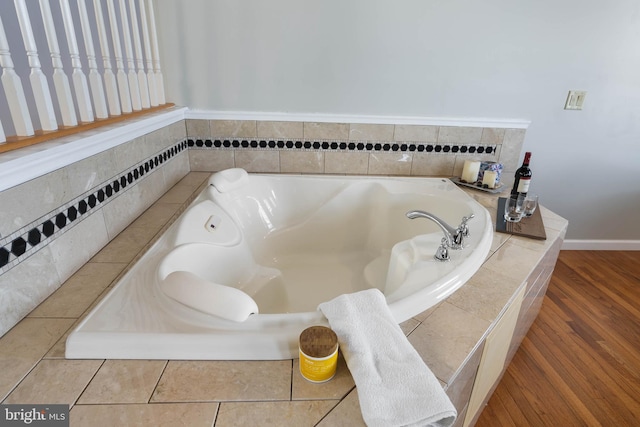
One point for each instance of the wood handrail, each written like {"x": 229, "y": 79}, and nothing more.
{"x": 15, "y": 142}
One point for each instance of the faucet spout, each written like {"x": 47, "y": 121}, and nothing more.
{"x": 453, "y": 236}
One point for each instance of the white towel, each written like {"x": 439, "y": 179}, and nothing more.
{"x": 395, "y": 387}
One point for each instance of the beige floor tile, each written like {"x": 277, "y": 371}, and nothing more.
{"x": 420, "y": 317}
{"x": 336, "y": 388}
{"x": 442, "y": 352}
{"x": 79, "y": 291}
{"x": 59, "y": 348}
{"x": 179, "y": 193}
{"x": 346, "y": 414}
{"x": 276, "y": 414}
{"x": 409, "y": 325}
{"x": 157, "y": 415}
{"x": 123, "y": 381}
{"x": 55, "y": 381}
{"x": 22, "y": 347}
{"x": 194, "y": 179}
{"x": 157, "y": 215}
{"x": 198, "y": 381}
{"x": 484, "y": 295}
{"x": 126, "y": 246}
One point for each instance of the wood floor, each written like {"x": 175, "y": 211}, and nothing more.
{"x": 579, "y": 365}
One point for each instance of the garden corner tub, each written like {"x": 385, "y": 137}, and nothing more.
{"x": 240, "y": 274}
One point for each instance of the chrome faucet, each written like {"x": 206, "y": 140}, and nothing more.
{"x": 453, "y": 237}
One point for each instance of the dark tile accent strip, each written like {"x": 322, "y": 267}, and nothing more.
{"x": 420, "y": 147}
{"x": 28, "y": 240}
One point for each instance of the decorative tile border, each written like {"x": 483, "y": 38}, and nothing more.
{"x": 29, "y": 239}
{"x": 340, "y": 145}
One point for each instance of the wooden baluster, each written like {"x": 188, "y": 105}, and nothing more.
{"x": 134, "y": 90}
{"x": 78, "y": 78}
{"x": 38, "y": 80}
{"x": 143, "y": 85}
{"x": 60, "y": 79}
{"x": 123, "y": 84}
{"x": 156, "y": 54}
{"x": 151, "y": 79}
{"x": 13, "y": 90}
{"x": 95, "y": 83}
{"x": 111, "y": 86}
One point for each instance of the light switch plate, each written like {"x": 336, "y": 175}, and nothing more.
{"x": 575, "y": 100}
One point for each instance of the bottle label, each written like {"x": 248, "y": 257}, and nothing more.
{"x": 523, "y": 185}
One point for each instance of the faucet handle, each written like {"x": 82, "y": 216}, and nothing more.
{"x": 464, "y": 228}
{"x": 442, "y": 254}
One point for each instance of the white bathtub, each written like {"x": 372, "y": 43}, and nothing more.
{"x": 239, "y": 275}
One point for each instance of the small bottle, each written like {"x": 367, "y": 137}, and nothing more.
{"x": 522, "y": 177}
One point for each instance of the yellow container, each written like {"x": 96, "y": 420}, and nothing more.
{"x": 318, "y": 354}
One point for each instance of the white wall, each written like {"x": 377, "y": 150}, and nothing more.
{"x": 435, "y": 58}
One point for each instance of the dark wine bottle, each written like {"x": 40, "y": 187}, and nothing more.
{"x": 522, "y": 177}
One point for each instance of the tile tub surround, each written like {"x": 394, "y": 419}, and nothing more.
{"x": 42, "y": 231}
{"x": 448, "y": 336}
{"x": 52, "y": 225}
{"x": 348, "y": 148}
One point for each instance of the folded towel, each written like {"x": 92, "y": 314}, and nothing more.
{"x": 395, "y": 387}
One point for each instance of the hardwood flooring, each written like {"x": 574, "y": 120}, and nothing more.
{"x": 579, "y": 364}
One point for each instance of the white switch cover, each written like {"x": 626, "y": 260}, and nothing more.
{"x": 575, "y": 100}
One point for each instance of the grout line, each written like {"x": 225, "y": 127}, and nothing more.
{"x": 155, "y": 387}
{"x": 71, "y": 405}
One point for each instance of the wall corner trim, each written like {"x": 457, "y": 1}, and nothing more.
{"x": 43, "y": 158}
{"x": 357, "y": 118}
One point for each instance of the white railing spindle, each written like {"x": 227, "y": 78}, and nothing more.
{"x": 110, "y": 83}
{"x": 95, "y": 83}
{"x": 151, "y": 79}
{"x": 156, "y": 54}
{"x": 129, "y": 80}
{"x": 60, "y": 79}
{"x": 134, "y": 90}
{"x": 38, "y": 80}
{"x": 143, "y": 85}
{"x": 123, "y": 84}
{"x": 13, "y": 91}
{"x": 78, "y": 78}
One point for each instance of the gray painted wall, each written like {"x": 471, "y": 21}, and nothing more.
{"x": 496, "y": 59}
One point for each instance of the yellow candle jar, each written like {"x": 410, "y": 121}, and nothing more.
{"x": 318, "y": 354}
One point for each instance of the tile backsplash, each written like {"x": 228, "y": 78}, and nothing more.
{"x": 52, "y": 225}
{"x": 347, "y": 148}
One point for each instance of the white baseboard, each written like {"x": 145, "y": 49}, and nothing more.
{"x": 601, "y": 245}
